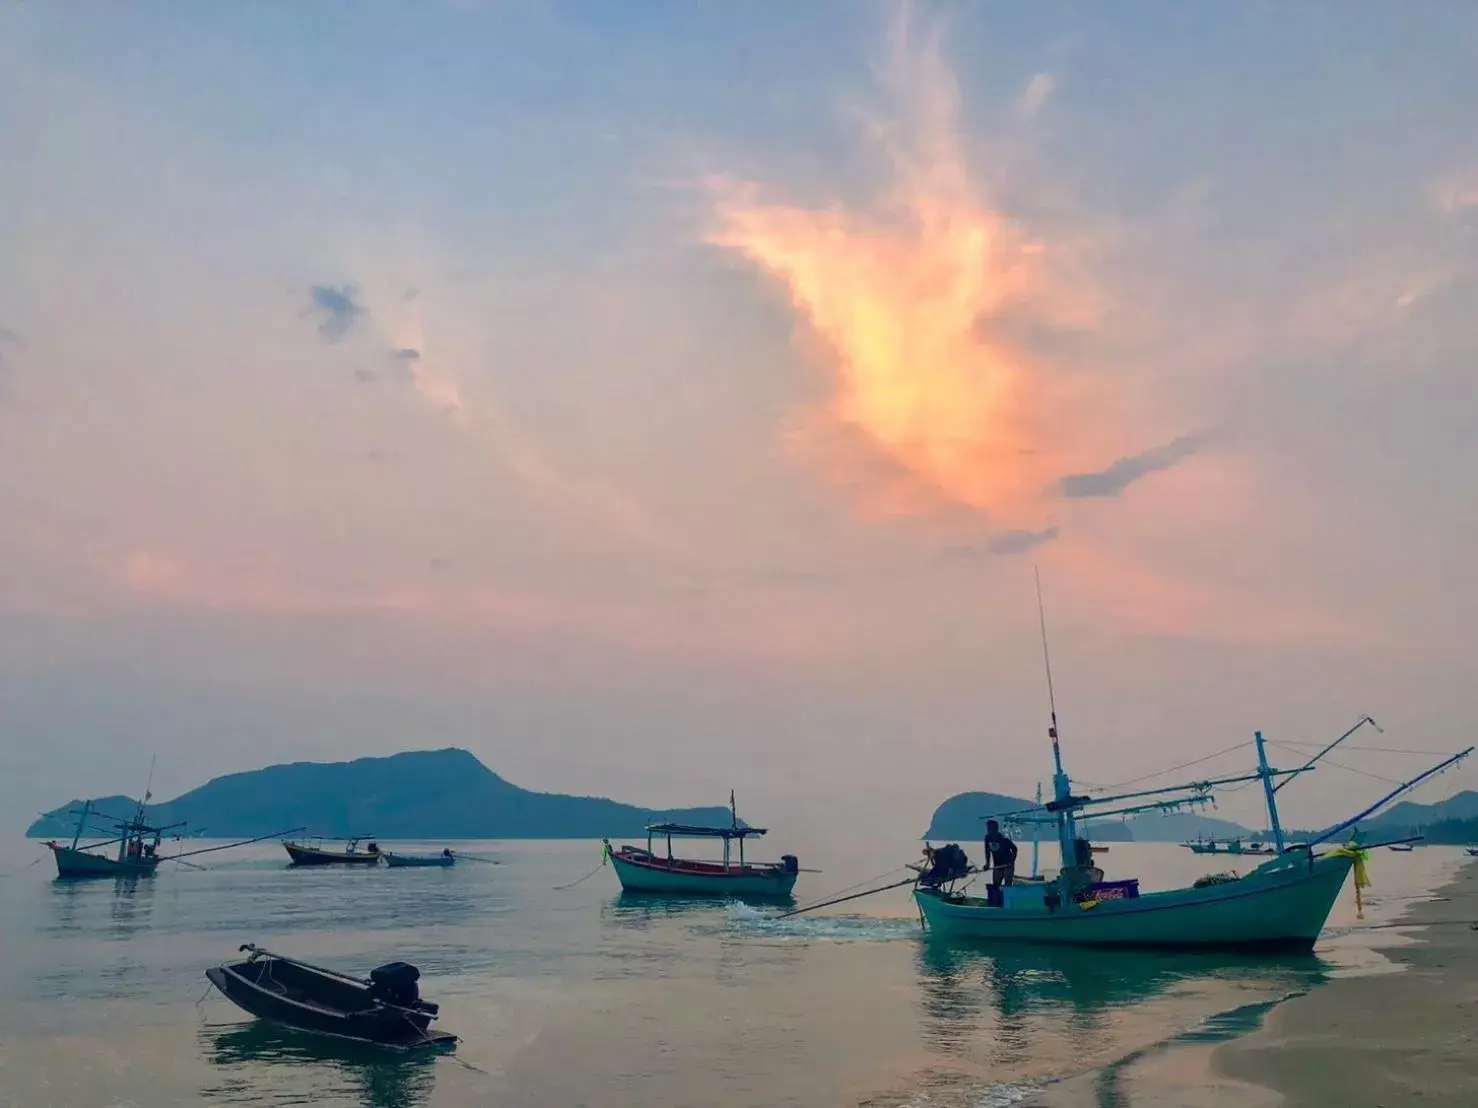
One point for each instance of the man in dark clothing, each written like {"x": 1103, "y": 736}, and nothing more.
{"x": 1000, "y": 854}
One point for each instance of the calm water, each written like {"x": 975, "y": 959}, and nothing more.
{"x": 586, "y": 997}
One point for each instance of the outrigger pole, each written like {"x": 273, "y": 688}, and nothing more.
{"x": 1390, "y": 796}
{"x": 229, "y": 846}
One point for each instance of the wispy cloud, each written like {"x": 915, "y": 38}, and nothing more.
{"x": 336, "y": 308}
{"x": 1125, "y": 471}
{"x": 902, "y": 295}
{"x": 1035, "y": 94}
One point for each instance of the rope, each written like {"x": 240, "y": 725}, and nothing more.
{"x": 605, "y": 853}
{"x": 23, "y": 869}
{"x": 1339, "y": 765}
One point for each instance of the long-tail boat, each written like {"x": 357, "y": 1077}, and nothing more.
{"x": 645, "y": 871}
{"x": 1282, "y": 904}
{"x": 311, "y": 854}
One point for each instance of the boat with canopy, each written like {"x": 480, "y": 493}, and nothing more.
{"x": 311, "y": 853}
{"x": 646, "y": 871}
{"x": 1282, "y": 904}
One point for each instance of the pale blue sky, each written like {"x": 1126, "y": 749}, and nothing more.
{"x": 674, "y": 490}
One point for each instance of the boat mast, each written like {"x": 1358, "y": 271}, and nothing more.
{"x": 81, "y": 822}
{"x": 1267, "y": 787}
{"x": 1067, "y": 832}
{"x": 1036, "y": 833}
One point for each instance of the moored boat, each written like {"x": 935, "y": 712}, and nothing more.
{"x": 645, "y": 871}
{"x": 311, "y": 854}
{"x": 1282, "y": 904}
{"x": 384, "y": 1010}
{"x": 137, "y": 854}
{"x": 396, "y": 860}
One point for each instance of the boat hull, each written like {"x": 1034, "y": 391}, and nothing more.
{"x": 311, "y": 856}
{"x": 657, "y": 877}
{"x": 412, "y": 861}
{"x": 1275, "y": 908}
{"x": 291, "y": 995}
{"x": 72, "y": 863}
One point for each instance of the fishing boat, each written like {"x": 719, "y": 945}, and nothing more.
{"x": 1402, "y": 848}
{"x": 1227, "y": 846}
{"x": 645, "y": 871}
{"x": 397, "y": 860}
{"x": 311, "y": 854}
{"x": 384, "y": 1010}
{"x": 137, "y": 854}
{"x": 1282, "y": 904}
{"x": 1472, "y": 851}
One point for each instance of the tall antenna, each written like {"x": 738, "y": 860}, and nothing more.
{"x": 1047, "y": 662}
{"x": 148, "y": 790}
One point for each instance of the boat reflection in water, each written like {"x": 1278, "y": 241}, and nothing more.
{"x": 1013, "y": 997}
{"x": 248, "y": 1052}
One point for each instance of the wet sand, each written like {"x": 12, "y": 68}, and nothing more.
{"x": 1377, "y": 1039}
{"x": 1383, "y": 1041}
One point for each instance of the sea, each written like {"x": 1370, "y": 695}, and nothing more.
{"x": 566, "y": 993}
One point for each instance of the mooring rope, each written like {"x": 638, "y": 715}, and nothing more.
{"x": 604, "y": 854}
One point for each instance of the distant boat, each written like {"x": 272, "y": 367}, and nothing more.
{"x": 1227, "y": 846}
{"x": 396, "y": 860}
{"x": 312, "y": 855}
{"x": 644, "y": 871}
{"x": 1473, "y": 851}
{"x": 1403, "y": 848}
{"x": 137, "y": 855}
{"x": 386, "y": 1010}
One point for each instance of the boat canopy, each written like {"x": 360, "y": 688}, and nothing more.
{"x": 691, "y": 831}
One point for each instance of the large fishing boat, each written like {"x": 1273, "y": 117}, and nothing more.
{"x": 1227, "y": 846}
{"x": 1282, "y": 904}
{"x": 646, "y": 871}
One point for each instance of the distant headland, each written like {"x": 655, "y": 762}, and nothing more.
{"x": 440, "y": 794}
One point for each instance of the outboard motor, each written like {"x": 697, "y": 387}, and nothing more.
{"x": 949, "y": 864}
{"x": 790, "y": 863}
{"x": 395, "y": 983}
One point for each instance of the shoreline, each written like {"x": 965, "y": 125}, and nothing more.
{"x": 1384, "y": 1040}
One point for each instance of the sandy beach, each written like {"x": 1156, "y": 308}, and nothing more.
{"x": 1381, "y": 1041}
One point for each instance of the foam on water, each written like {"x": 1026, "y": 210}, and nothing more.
{"x": 747, "y": 920}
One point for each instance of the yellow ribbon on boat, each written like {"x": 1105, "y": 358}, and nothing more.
{"x": 1359, "y": 856}
{"x": 605, "y": 850}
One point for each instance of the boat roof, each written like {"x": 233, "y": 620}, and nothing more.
{"x": 694, "y": 831}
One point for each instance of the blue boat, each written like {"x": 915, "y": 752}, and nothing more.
{"x": 646, "y": 871}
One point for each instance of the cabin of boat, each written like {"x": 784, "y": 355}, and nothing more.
{"x": 646, "y": 871}
{"x": 311, "y": 854}
{"x": 386, "y": 1010}
{"x": 137, "y": 854}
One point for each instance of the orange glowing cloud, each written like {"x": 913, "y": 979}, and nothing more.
{"x": 919, "y": 305}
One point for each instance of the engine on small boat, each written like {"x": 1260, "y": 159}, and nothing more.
{"x": 790, "y": 863}
{"x": 395, "y": 983}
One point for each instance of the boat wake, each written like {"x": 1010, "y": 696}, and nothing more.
{"x": 748, "y": 920}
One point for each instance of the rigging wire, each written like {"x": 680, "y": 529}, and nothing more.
{"x": 1341, "y": 765}
{"x": 1372, "y": 749}
{"x": 1174, "y": 769}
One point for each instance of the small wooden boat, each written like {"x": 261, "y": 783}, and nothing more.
{"x": 1402, "y": 848}
{"x": 310, "y": 854}
{"x": 1228, "y": 846}
{"x": 396, "y": 860}
{"x": 644, "y": 871}
{"x": 384, "y": 1010}
{"x": 1473, "y": 851}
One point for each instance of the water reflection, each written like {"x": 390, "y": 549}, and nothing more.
{"x": 642, "y": 910}
{"x": 1005, "y": 990}
{"x": 374, "y": 1078}
{"x": 129, "y": 902}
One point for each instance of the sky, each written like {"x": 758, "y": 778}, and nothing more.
{"x": 661, "y": 399}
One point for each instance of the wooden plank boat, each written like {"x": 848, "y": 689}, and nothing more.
{"x": 309, "y": 854}
{"x": 644, "y": 871}
{"x": 396, "y": 860}
{"x": 384, "y": 1010}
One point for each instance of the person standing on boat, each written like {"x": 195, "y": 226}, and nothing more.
{"x": 1000, "y": 854}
